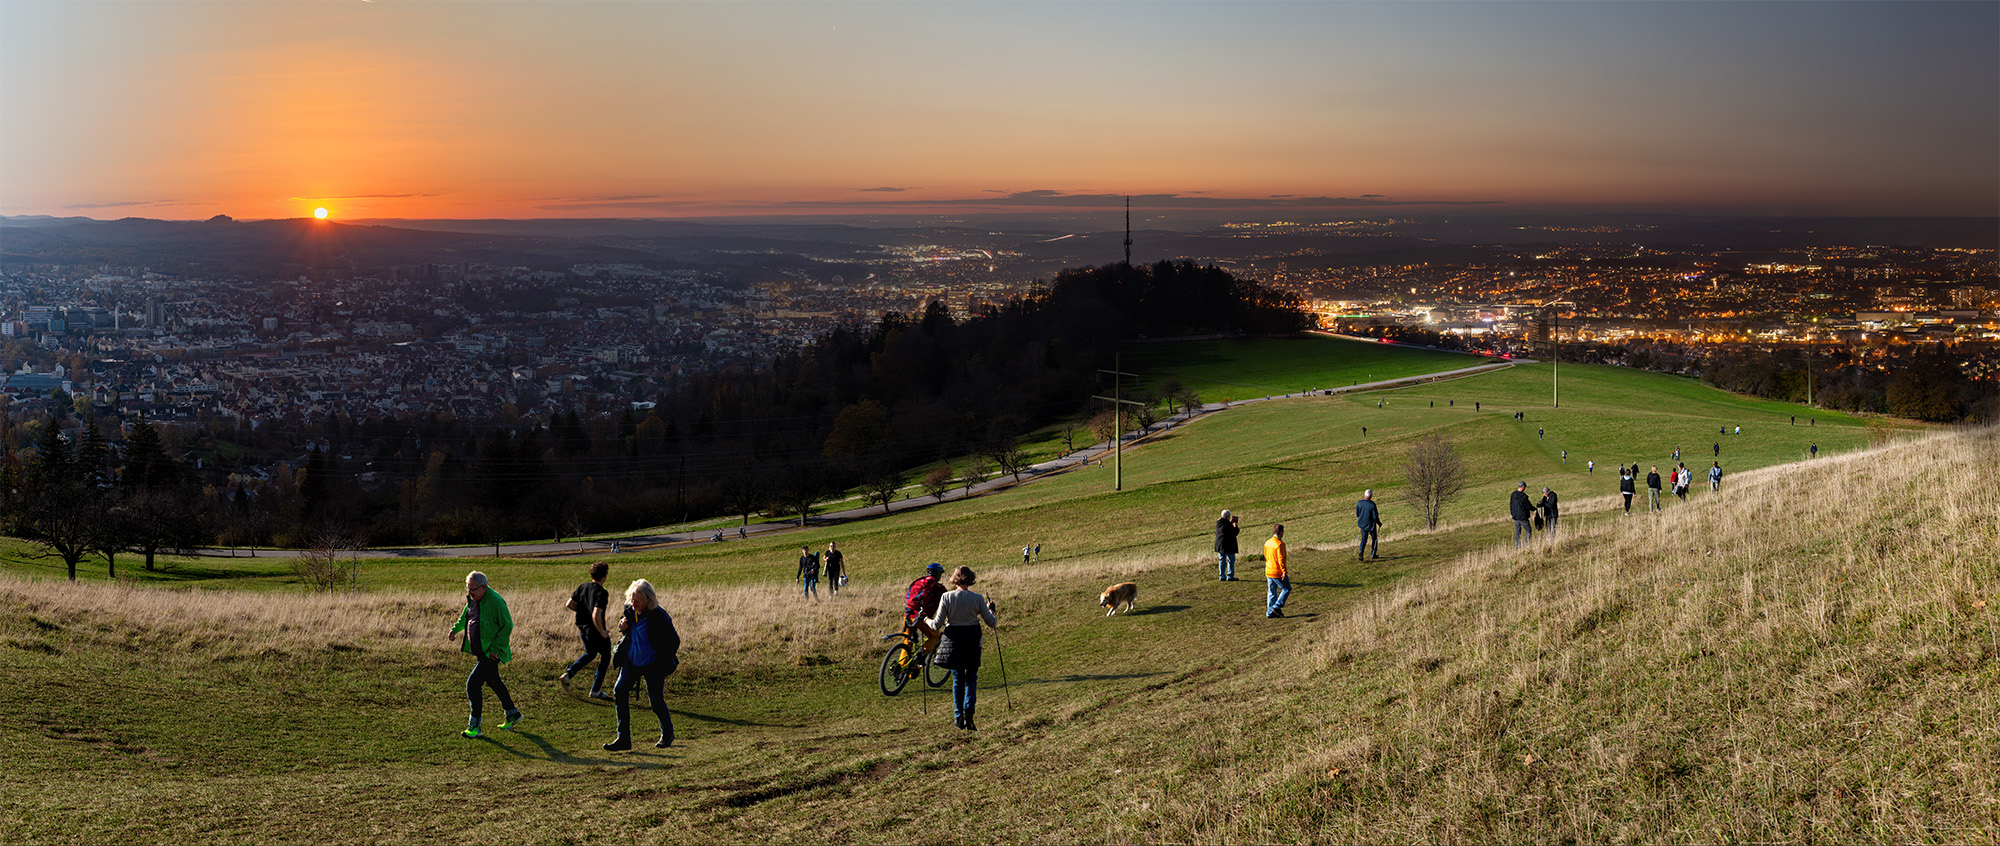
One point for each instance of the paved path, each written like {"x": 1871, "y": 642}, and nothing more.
{"x": 1098, "y": 453}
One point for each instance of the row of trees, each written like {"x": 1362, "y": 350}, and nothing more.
{"x": 80, "y": 499}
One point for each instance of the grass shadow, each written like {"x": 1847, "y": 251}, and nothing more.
{"x": 553, "y": 755}
{"x": 1159, "y": 609}
{"x": 1080, "y": 677}
{"x": 710, "y": 718}
{"x": 1331, "y": 584}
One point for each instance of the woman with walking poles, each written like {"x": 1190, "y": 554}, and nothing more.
{"x": 651, "y": 649}
{"x": 959, "y": 614}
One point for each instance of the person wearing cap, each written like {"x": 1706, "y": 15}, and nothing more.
{"x": 920, "y": 604}
{"x": 485, "y": 627}
{"x": 1524, "y": 514}
{"x": 1225, "y": 547}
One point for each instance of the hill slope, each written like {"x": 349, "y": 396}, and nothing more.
{"x": 1809, "y": 656}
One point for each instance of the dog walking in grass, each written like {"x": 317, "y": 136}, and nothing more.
{"x": 1123, "y": 593}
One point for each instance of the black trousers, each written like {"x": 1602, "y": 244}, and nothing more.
{"x": 486, "y": 673}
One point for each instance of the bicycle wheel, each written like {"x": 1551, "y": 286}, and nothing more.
{"x": 895, "y": 669}
{"x": 934, "y": 675}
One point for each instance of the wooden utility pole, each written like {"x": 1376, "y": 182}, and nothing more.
{"x": 1118, "y": 401}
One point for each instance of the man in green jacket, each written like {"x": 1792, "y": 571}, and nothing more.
{"x": 486, "y": 626}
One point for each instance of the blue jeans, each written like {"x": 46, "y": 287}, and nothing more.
{"x": 656, "y": 683}
{"x": 1521, "y": 528}
{"x": 964, "y": 693}
{"x": 1366, "y": 536}
{"x": 1225, "y": 565}
{"x": 594, "y": 646}
{"x": 1277, "y": 591}
{"x": 812, "y": 588}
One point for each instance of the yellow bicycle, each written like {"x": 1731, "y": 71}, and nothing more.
{"x": 902, "y": 662}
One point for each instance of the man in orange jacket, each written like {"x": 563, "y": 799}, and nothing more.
{"x": 1279, "y": 581}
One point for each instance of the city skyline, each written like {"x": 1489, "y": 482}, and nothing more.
{"x": 185, "y": 110}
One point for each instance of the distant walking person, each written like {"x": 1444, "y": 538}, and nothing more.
{"x": 1369, "y": 518}
{"x": 1718, "y": 449}
{"x": 588, "y": 601}
{"x": 1549, "y": 510}
{"x": 959, "y": 614}
{"x": 1027, "y": 551}
{"x": 487, "y": 627}
{"x": 1715, "y": 478}
{"x": 1590, "y": 467}
{"x": 1225, "y": 547}
{"x": 1815, "y": 450}
{"x": 1653, "y": 488}
{"x": 650, "y": 650}
{"x": 833, "y": 568}
{"x": 809, "y": 571}
{"x": 1523, "y": 513}
{"x": 1278, "y": 580}
{"x": 1625, "y": 486}
{"x": 1683, "y": 477}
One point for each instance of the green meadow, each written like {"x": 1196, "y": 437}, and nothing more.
{"x": 1762, "y": 665}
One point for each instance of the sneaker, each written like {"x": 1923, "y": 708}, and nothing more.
{"x": 562, "y": 681}
{"x": 598, "y": 694}
{"x": 470, "y": 732}
{"x": 513, "y": 717}
{"x": 1276, "y": 614}
{"x": 666, "y": 740}
{"x": 618, "y": 744}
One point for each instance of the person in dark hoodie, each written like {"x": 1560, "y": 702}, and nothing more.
{"x": 1225, "y": 547}
{"x": 650, "y": 650}
{"x": 1626, "y": 486}
{"x": 1523, "y": 512}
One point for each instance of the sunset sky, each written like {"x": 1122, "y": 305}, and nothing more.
{"x": 678, "y": 109}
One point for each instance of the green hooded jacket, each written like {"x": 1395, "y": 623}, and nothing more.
{"x": 495, "y": 625}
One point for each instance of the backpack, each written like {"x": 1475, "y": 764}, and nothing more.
{"x": 914, "y": 600}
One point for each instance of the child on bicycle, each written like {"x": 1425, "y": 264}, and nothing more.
{"x": 921, "y": 603}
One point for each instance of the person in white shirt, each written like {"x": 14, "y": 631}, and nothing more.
{"x": 958, "y": 616}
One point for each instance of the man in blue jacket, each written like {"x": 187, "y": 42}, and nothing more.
{"x": 1368, "y": 518}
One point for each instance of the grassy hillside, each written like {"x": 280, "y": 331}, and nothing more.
{"x": 1232, "y": 369}
{"x": 1807, "y": 657}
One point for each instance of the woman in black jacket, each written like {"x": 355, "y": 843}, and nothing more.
{"x": 1627, "y": 486}
{"x": 650, "y": 650}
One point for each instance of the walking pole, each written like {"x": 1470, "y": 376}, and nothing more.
{"x": 997, "y": 649}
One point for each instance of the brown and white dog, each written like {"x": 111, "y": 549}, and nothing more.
{"x": 1123, "y": 593}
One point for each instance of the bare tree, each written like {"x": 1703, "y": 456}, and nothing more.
{"x": 1006, "y": 454}
{"x": 881, "y": 487}
{"x": 939, "y": 481}
{"x": 972, "y": 475}
{"x": 1435, "y": 475}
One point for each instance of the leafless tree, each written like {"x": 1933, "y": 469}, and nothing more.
{"x": 939, "y": 481}
{"x": 1435, "y": 476}
{"x": 881, "y": 487}
{"x": 1006, "y": 454}
{"x": 972, "y": 475}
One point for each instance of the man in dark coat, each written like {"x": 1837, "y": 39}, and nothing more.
{"x": 1549, "y": 510}
{"x": 1524, "y": 514}
{"x": 1225, "y": 547}
{"x": 1369, "y": 518}
{"x": 1653, "y": 488}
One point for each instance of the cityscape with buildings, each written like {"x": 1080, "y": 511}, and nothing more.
{"x": 491, "y": 342}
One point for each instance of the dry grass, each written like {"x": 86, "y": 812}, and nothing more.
{"x": 1809, "y": 656}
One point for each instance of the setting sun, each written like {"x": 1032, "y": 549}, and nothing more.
{"x": 320, "y": 213}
